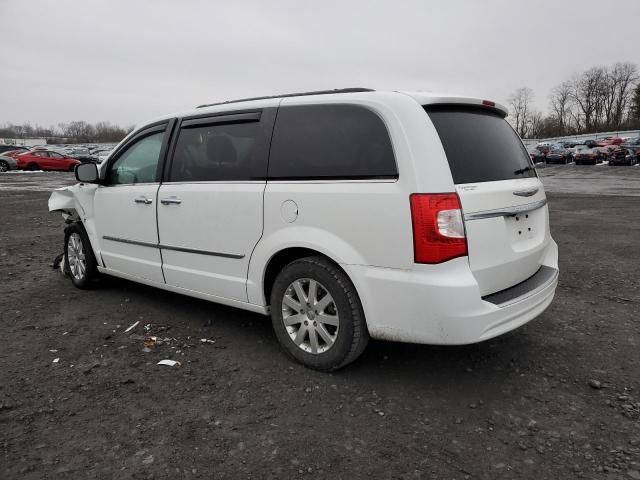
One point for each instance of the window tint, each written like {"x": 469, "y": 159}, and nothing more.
{"x": 330, "y": 141}
{"x": 138, "y": 163}
{"x": 480, "y": 145}
{"x": 55, "y": 155}
{"x": 218, "y": 152}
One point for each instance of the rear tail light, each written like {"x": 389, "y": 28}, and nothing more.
{"x": 488, "y": 103}
{"x": 438, "y": 227}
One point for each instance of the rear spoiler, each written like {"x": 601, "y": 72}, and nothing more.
{"x": 425, "y": 99}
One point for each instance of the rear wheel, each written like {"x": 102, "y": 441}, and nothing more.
{"x": 33, "y": 166}
{"x": 79, "y": 259}
{"x": 4, "y": 166}
{"x": 317, "y": 315}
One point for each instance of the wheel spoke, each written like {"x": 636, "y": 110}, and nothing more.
{"x": 328, "y": 319}
{"x": 313, "y": 340}
{"x": 290, "y": 302}
{"x": 297, "y": 286}
{"x": 300, "y": 336}
{"x": 313, "y": 292}
{"x": 324, "y": 302}
{"x": 294, "y": 319}
{"x": 324, "y": 334}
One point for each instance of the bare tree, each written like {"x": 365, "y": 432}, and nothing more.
{"x": 520, "y": 103}
{"x": 536, "y": 124}
{"x": 587, "y": 93}
{"x": 561, "y": 106}
{"x": 624, "y": 76}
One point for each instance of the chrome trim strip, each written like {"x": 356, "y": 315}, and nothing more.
{"x": 132, "y": 242}
{"x": 507, "y": 211}
{"x": 171, "y": 247}
{"x": 200, "y": 252}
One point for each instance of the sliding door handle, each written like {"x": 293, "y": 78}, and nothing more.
{"x": 143, "y": 200}
{"x": 170, "y": 201}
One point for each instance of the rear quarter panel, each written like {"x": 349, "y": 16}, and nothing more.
{"x": 366, "y": 222}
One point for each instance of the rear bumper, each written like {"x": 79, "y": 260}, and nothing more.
{"x": 441, "y": 304}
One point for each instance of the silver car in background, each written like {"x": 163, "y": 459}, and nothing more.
{"x": 7, "y": 163}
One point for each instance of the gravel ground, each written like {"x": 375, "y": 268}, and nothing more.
{"x": 558, "y": 398}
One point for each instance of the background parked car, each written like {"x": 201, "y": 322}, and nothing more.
{"x": 45, "y": 160}
{"x": 7, "y": 163}
{"x": 623, "y": 156}
{"x": 632, "y": 142}
{"x": 536, "y": 156}
{"x": 603, "y": 153}
{"x": 101, "y": 154}
{"x": 610, "y": 141}
{"x": 558, "y": 154}
{"x": 11, "y": 148}
{"x": 586, "y": 157}
{"x": 81, "y": 153}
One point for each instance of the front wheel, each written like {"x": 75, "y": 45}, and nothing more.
{"x": 4, "y": 166}
{"x": 317, "y": 315}
{"x": 79, "y": 259}
{"x": 33, "y": 167}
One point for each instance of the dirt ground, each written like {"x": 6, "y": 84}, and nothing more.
{"x": 556, "y": 399}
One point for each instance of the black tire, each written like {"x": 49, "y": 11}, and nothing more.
{"x": 351, "y": 336}
{"x": 33, "y": 167}
{"x": 88, "y": 278}
{"x": 4, "y": 166}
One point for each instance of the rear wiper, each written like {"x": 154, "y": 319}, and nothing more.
{"x": 523, "y": 170}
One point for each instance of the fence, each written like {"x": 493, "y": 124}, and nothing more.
{"x": 532, "y": 142}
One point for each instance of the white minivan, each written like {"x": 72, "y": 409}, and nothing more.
{"x": 343, "y": 214}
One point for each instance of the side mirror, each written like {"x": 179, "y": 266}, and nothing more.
{"x": 87, "y": 173}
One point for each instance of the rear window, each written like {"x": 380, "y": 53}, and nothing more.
{"x": 330, "y": 142}
{"x": 480, "y": 145}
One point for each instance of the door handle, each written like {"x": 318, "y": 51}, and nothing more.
{"x": 144, "y": 200}
{"x": 171, "y": 200}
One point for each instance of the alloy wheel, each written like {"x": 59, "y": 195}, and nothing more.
{"x": 310, "y": 315}
{"x": 76, "y": 256}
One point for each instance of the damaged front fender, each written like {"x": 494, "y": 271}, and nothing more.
{"x": 76, "y": 205}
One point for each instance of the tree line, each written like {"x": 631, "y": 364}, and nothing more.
{"x": 72, "y": 132}
{"x": 598, "y": 100}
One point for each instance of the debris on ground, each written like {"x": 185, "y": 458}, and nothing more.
{"x": 132, "y": 327}
{"x": 56, "y": 360}
{"x": 595, "y": 384}
{"x": 60, "y": 264}
{"x": 207, "y": 340}
{"x": 170, "y": 363}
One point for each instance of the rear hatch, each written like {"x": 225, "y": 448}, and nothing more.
{"x": 503, "y": 201}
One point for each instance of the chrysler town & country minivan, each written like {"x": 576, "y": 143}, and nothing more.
{"x": 344, "y": 215}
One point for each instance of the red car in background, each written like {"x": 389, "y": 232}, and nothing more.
{"x": 610, "y": 141}
{"x": 45, "y": 160}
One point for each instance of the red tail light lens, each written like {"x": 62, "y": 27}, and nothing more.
{"x": 438, "y": 228}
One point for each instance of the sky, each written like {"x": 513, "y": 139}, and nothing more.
{"x": 128, "y": 61}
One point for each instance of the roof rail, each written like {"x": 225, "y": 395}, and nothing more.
{"x": 300, "y": 94}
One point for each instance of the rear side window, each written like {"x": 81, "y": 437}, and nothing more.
{"x": 330, "y": 142}
{"x": 218, "y": 152}
{"x": 480, "y": 145}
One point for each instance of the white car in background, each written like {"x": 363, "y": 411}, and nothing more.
{"x": 344, "y": 215}
{"x": 102, "y": 154}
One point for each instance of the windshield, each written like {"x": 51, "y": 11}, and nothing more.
{"x": 480, "y": 145}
